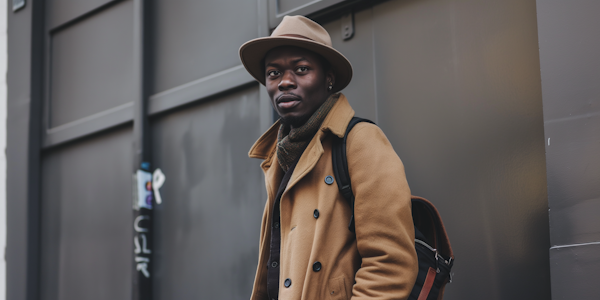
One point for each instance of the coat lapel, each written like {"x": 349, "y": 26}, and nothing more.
{"x": 336, "y": 122}
{"x": 264, "y": 148}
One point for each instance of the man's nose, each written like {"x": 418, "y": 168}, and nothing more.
{"x": 287, "y": 82}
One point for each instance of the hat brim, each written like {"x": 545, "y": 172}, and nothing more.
{"x": 253, "y": 52}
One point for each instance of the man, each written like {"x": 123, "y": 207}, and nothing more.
{"x": 306, "y": 249}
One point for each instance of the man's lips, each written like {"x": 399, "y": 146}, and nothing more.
{"x": 287, "y": 101}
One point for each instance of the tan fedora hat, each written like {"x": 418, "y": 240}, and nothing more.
{"x": 301, "y": 32}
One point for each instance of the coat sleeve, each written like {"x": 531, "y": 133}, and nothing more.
{"x": 383, "y": 219}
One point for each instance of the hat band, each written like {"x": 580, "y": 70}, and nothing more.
{"x": 298, "y": 36}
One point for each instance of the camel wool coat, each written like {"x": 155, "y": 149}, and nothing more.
{"x": 379, "y": 260}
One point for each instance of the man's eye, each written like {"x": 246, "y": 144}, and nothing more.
{"x": 302, "y": 69}
{"x": 273, "y": 73}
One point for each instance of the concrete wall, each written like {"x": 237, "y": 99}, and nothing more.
{"x": 569, "y": 46}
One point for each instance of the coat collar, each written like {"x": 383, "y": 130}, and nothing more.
{"x": 336, "y": 122}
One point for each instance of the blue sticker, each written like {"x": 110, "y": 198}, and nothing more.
{"x": 144, "y": 190}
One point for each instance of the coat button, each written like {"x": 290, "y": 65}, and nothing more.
{"x": 329, "y": 179}
{"x": 316, "y": 214}
{"x": 276, "y": 225}
{"x": 274, "y": 264}
{"x": 317, "y": 267}
{"x": 287, "y": 283}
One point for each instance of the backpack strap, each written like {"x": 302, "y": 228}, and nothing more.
{"x": 340, "y": 166}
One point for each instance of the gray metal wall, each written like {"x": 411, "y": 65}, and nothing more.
{"x": 22, "y": 152}
{"x": 206, "y": 240}
{"x": 85, "y": 202}
{"x": 86, "y": 219}
{"x": 454, "y": 84}
{"x": 569, "y": 47}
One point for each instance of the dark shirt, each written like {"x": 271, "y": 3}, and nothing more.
{"x": 273, "y": 263}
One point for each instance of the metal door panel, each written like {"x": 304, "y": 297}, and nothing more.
{"x": 575, "y": 272}
{"x": 86, "y": 219}
{"x": 459, "y": 97}
{"x": 568, "y": 55}
{"x": 92, "y": 65}
{"x": 570, "y": 73}
{"x": 207, "y": 229}
{"x": 359, "y": 50}
{"x": 574, "y": 180}
{"x": 61, "y": 11}
{"x": 195, "y": 39}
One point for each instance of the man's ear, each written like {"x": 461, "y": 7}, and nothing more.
{"x": 330, "y": 77}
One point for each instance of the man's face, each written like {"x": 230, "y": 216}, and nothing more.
{"x": 296, "y": 82}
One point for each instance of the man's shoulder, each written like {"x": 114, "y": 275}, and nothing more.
{"x": 364, "y": 132}
{"x": 368, "y": 138}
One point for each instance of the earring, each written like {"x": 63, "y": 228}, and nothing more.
{"x": 330, "y": 87}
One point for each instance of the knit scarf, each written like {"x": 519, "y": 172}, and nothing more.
{"x": 291, "y": 142}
